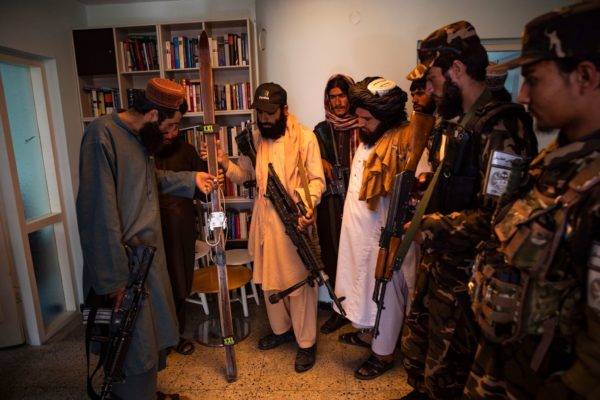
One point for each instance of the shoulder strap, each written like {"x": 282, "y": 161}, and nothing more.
{"x": 492, "y": 111}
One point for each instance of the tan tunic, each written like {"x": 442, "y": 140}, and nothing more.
{"x": 277, "y": 265}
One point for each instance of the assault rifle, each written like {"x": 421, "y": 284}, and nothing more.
{"x": 287, "y": 211}
{"x": 390, "y": 238}
{"x": 123, "y": 318}
{"x": 337, "y": 187}
{"x": 400, "y": 210}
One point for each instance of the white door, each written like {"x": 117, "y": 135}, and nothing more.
{"x": 32, "y": 204}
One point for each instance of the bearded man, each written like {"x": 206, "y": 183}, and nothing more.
{"x": 439, "y": 337}
{"x": 338, "y": 140}
{"x": 282, "y": 141}
{"x": 178, "y": 220}
{"x": 117, "y": 205}
{"x": 379, "y": 105}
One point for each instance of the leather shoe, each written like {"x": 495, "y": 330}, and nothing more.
{"x": 335, "y": 322}
{"x": 272, "y": 340}
{"x": 305, "y": 358}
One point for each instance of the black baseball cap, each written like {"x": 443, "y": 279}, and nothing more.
{"x": 455, "y": 39}
{"x": 269, "y": 97}
{"x": 572, "y": 31}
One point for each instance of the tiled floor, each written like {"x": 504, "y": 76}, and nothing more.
{"x": 57, "y": 370}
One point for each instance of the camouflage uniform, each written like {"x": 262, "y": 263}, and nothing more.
{"x": 438, "y": 340}
{"x": 503, "y": 371}
{"x": 536, "y": 284}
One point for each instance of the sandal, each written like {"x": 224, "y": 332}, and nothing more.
{"x": 167, "y": 396}
{"x": 373, "y": 368}
{"x": 353, "y": 339}
{"x": 185, "y": 347}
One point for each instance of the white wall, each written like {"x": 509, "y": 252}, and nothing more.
{"x": 307, "y": 41}
{"x": 168, "y": 11}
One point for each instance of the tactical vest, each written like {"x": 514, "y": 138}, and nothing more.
{"x": 512, "y": 289}
{"x": 460, "y": 182}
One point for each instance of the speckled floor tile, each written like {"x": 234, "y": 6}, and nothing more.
{"x": 57, "y": 369}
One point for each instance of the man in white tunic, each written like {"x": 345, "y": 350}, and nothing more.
{"x": 380, "y": 107}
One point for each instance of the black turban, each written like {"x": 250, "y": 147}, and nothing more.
{"x": 386, "y": 106}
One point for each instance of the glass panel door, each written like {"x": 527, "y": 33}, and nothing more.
{"x": 42, "y": 257}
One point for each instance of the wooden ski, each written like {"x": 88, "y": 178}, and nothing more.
{"x": 217, "y": 218}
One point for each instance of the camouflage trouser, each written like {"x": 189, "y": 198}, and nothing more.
{"x": 414, "y": 332}
{"x": 502, "y": 372}
{"x": 437, "y": 345}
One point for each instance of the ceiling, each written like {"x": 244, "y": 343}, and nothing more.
{"x": 100, "y": 2}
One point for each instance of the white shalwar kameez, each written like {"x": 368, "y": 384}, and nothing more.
{"x": 359, "y": 246}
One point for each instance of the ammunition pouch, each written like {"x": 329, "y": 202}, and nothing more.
{"x": 459, "y": 183}
{"x": 497, "y": 294}
{"x": 511, "y": 293}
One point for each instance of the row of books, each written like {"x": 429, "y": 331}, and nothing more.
{"x": 228, "y": 97}
{"x": 238, "y": 223}
{"x": 233, "y": 96}
{"x": 139, "y": 53}
{"x": 226, "y": 137}
{"x": 229, "y": 50}
{"x": 100, "y": 100}
{"x": 182, "y": 52}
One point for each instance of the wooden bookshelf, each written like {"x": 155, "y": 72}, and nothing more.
{"x": 122, "y": 58}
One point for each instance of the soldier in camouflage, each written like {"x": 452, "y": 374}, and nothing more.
{"x": 439, "y": 337}
{"x": 536, "y": 286}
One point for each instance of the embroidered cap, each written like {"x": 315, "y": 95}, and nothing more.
{"x": 456, "y": 38}
{"x": 571, "y": 31}
{"x": 165, "y": 93}
{"x": 269, "y": 97}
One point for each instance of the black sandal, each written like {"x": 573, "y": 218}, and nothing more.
{"x": 167, "y": 396}
{"x": 374, "y": 367}
{"x": 185, "y": 347}
{"x": 353, "y": 339}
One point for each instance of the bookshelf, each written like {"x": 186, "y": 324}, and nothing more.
{"x": 112, "y": 62}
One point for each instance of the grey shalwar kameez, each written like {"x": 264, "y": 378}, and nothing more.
{"x": 117, "y": 204}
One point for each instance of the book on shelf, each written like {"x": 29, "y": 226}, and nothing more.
{"x": 139, "y": 53}
{"x": 100, "y": 100}
{"x": 230, "y": 50}
{"x": 238, "y": 224}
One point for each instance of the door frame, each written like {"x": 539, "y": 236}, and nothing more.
{"x": 18, "y": 228}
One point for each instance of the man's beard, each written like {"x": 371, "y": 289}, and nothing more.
{"x": 274, "y": 131}
{"x": 168, "y": 147}
{"x": 451, "y": 102}
{"x": 151, "y": 136}
{"x": 370, "y": 138}
{"x": 427, "y": 109}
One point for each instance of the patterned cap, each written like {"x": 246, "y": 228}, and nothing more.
{"x": 572, "y": 31}
{"x": 269, "y": 97}
{"x": 165, "y": 93}
{"x": 456, "y": 38}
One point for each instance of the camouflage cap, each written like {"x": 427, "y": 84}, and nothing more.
{"x": 572, "y": 31}
{"x": 455, "y": 38}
